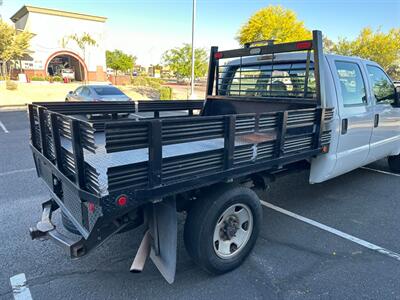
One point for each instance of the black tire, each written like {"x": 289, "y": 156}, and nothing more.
{"x": 394, "y": 163}
{"x": 68, "y": 225}
{"x": 203, "y": 218}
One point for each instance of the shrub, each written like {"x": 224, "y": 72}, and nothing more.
{"x": 139, "y": 81}
{"x": 153, "y": 84}
{"x": 147, "y": 81}
{"x": 165, "y": 93}
{"x": 159, "y": 80}
{"x": 11, "y": 85}
{"x": 57, "y": 78}
{"x": 37, "y": 78}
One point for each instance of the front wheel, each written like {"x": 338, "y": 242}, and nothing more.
{"x": 222, "y": 228}
{"x": 394, "y": 163}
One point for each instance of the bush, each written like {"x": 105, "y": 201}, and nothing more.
{"x": 11, "y": 85}
{"x": 165, "y": 93}
{"x": 37, "y": 78}
{"x": 53, "y": 78}
{"x": 147, "y": 81}
{"x": 139, "y": 81}
{"x": 154, "y": 84}
{"x": 2, "y": 78}
{"x": 57, "y": 79}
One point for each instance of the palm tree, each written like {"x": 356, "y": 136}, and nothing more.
{"x": 82, "y": 41}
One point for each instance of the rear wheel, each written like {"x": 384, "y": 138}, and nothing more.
{"x": 394, "y": 163}
{"x": 68, "y": 225}
{"x": 222, "y": 228}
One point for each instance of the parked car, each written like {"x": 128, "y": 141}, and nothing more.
{"x": 262, "y": 118}
{"x": 68, "y": 73}
{"x": 97, "y": 93}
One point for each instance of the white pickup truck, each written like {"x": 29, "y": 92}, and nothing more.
{"x": 269, "y": 110}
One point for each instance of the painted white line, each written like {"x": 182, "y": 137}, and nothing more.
{"x": 3, "y": 127}
{"x": 334, "y": 231}
{"x": 20, "y": 287}
{"x": 380, "y": 171}
{"x": 17, "y": 171}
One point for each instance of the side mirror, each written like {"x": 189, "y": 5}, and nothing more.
{"x": 70, "y": 92}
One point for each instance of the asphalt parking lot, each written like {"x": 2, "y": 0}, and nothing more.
{"x": 293, "y": 259}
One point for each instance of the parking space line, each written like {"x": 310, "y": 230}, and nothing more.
{"x": 17, "y": 171}
{"x": 380, "y": 171}
{"x": 20, "y": 287}
{"x": 3, "y": 127}
{"x": 334, "y": 231}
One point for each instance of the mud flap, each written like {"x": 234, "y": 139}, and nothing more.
{"x": 164, "y": 230}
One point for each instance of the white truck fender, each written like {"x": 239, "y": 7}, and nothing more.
{"x": 322, "y": 167}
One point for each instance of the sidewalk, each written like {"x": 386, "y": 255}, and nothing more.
{"x": 34, "y": 92}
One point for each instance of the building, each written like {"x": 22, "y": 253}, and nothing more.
{"x": 53, "y": 52}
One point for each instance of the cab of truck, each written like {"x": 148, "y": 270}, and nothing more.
{"x": 367, "y": 119}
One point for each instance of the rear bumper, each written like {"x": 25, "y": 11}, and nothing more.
{"x": 46, "y": 230}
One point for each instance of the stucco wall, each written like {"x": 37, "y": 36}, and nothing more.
{"x": 49, "y": 32}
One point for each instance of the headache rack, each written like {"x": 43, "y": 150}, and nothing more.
{"x": 260, "y": 74}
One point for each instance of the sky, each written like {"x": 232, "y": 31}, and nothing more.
{"x": 148, "y": 28}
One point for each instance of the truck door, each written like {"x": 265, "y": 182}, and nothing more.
{"x": 385, "y": 138}
{"x": 356, "y": 115}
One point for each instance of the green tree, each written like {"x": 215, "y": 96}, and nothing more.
{"x": 273, "y": 22}
{"x": 120, "y": 61}
{"x": 83, "y": 41}
{"x": 179, "y": 60}
{"x": 383, "y": 48}
{"x": 13, "y": 45}
{"x": 328, "y": 44}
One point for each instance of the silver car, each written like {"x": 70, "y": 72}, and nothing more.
{"x": 97, "y": 93}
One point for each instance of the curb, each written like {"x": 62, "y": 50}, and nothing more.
{"x": 13, "y": 107}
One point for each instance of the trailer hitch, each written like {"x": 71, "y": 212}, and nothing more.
{"x": 45, "y": 230}
{"x": 44, "y": 226}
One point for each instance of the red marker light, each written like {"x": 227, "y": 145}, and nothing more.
{"x": 122, "y": 200}
{"x": 325, "y": 149}
{"x": 303, "y": 45}
{"x": 218, "y": 55}
{"x": 91, "y": 207}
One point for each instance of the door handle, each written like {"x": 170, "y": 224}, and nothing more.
{"x": 376, "y": 120}
{"x": 345, "y": 125}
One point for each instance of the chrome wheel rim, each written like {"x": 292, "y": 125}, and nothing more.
{"x": 232, "y": 230}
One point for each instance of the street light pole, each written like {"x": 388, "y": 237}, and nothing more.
{"x": 1, "y": 3}
{"x": 192, "y": 94}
